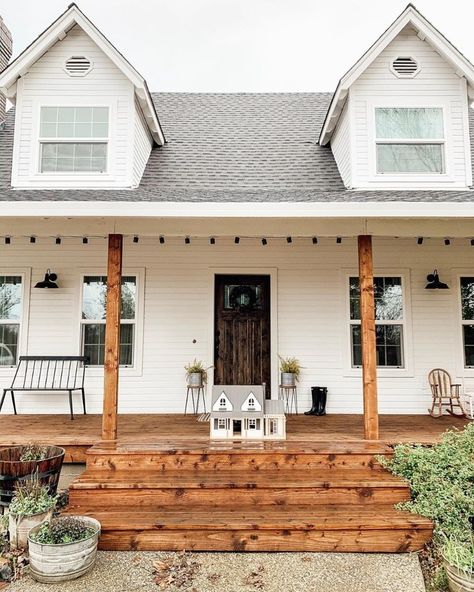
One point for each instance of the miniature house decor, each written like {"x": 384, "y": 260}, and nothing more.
{"x": 243, "y": 413}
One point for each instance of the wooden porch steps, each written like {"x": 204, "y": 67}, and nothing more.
{"x": 271, "y": 497}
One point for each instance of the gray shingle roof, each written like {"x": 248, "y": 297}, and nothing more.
{"x": 232, "y": 147}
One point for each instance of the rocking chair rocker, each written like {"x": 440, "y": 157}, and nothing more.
{"x": 445, "y": 394}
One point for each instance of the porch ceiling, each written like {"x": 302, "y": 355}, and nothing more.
{"x": 242, "y": 226}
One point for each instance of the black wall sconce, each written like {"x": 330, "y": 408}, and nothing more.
{"x": 49, "y": 280}
{"x": 434, "y": 283}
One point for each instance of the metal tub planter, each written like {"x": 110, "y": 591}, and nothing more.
{"x": 60, "y": 562}
{"x": 458, "y": 579}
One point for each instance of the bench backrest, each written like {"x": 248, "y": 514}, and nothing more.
{"x": 50, "y": 372}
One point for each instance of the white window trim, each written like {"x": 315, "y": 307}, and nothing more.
{"x": 25, "y": 274}
{"x": 137, "y": 368}
{"x": 409, "y": 178}
{"x": 462, "y": 371}
{"x": 390, "y": 371}
{"x": 81, "y": 177}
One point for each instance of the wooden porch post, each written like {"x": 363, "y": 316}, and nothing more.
{"x": 112, "y": 337}
{"x": 369, "y": 353}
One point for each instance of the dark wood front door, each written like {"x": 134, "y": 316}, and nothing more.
{"x": 242, "y": 330}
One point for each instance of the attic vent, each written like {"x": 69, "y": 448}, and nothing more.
{"x": 405, "y": 67}
{"x": 78, "y": 66}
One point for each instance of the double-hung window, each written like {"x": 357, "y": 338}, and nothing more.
{"x": 467, "y": 319}
{"x": 389, "y": 321}
{"x": 11, "y": 302}
{"x": 73, "y": 139}
{"x": 94, "y": 293}
{"x": 410, "y": 140}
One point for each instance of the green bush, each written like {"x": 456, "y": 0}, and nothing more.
{"x": 31, "y": 498}
{"x": 441, "y": 478}
{"x": 62, "y": 530}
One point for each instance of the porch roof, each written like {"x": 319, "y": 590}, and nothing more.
{"x": 240, "y": 147}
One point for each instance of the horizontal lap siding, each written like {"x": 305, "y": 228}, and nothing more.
{"x": 47, "y": 81}
{"x": 312, "y": 315}
{"x": 436, "y": 81}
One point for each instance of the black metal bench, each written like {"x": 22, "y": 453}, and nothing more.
{"x": 49, "y": 373}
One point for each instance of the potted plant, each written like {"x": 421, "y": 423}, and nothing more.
{"x": 196, "y": 373}
{"x": 17, "y": 463}
{"x": 290, "y": 369}
{"x": 63, "y": 548}
{"x": 458, "y": 555}
{"x": 31, "y": 505}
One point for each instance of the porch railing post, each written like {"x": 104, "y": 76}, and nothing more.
{"x": 112, "y": 337}
{"x": 368, "y": 338}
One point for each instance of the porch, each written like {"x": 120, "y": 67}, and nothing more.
{"x": 168, "y": 431}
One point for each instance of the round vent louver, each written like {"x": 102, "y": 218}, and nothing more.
{"x": 78, "y": 66}
{"x": 405, "y": 67}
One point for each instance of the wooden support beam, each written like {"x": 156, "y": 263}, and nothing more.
{"x": 112, "y": 338}
{"x": 368, "y": 338}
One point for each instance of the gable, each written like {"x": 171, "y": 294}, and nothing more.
{"x": 251, "y": 403}
{"x": 222, "y": 403}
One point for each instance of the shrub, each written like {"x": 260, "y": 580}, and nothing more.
{"x": 62, "y": 530}
{"x": 197, "y": 367}
{"x": 33, "y": 451}
{"x": 290, "y": 365}
{"x": 31, "y": 498}
{"x": 459, "y": 553}
{"x": 441, "y": 478}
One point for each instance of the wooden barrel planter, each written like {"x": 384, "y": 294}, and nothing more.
{"x": 13, "y": 470}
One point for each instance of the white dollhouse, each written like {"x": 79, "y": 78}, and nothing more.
{"x": 243, "y": 413}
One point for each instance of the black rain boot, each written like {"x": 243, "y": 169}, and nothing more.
{"x": 315, "y": 396}
{"x": 322, "y": 401}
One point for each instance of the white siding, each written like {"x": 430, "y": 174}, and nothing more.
{"x": 341, "y": 145}
{"x": 143, "y": 143}
{"x": 436, "y": 84}
{"x": 312, "y": 315}
{"x": 48, "y": 83}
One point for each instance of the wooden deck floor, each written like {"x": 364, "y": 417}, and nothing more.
{"x": 78, "y": 435}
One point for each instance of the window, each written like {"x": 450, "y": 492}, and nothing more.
{"x": 251, "y": 403}
{"x": 389, "y": 321}
{"x": 252, "y": 424}
{"x": 74, "y": 139}
{"x": 409, "y": 140}
{"x": 467, "y": 319}
{"x": 221, "y": 424}
{"x": 94, "y": 290}
{"x": 222, "y": 403}
{"x": 11, "y": 296}
{"x": 273, "y": 426}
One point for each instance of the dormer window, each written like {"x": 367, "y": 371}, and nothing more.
{"x": 73, "y": 139}
{"x": 409, "y": 140}
{"x": 222, "y": 403}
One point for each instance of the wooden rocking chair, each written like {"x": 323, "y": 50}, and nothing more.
{"x": 445, "y": 393}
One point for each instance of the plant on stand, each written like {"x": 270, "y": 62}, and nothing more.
{"x": 196, "y": 373}
{"x": 290, "y": 369}
{"x": 31, "y": 505}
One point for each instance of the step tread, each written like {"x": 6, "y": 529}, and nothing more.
{"x": 265, "y": 479}
{"x": 327, "y": 517}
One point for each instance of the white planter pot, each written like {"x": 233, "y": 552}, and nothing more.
{"x": 20, "y": 526}
{"x": 59, "y": 563}
{"x": 288, "y": 379}
{"x": 458, "y": 580}
{"x": 195, "y": 379}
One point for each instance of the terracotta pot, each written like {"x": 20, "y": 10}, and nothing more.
{"x": 458, "y": 580}
{"x": 60, "y": 563}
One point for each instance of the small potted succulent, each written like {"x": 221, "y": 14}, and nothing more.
{"x": 458, "y": 555}
{"x": 290, "y": 369}
{"x": 196, "y": 373}
{"x": 63, "y": 548}
{"x": 31, "y": 505}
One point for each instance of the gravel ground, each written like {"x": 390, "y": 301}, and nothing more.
{"x": 235, "y": 572}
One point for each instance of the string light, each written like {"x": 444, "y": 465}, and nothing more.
{"x": 264, "y": 241}
{"x": 472, "y": 242}
{"x": 85, "y": 240}
{"x": 32, "y": 239}
{"x": 289, "y": 240}
{"x": 58, "y": 240}
{"x": 315, "y": 240}
{"x": 135, "y": 239}
{"x": 7, "y": 240}
{"x": 162, "y": 240}
{"x": 420, "y": 240}
{"x": 187, "y": 240}
{"x": 338, "y": 240}
{"x": 447, "y": 242}
{"x": 212, "y": 240}
{"x": 237, "y": 240}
